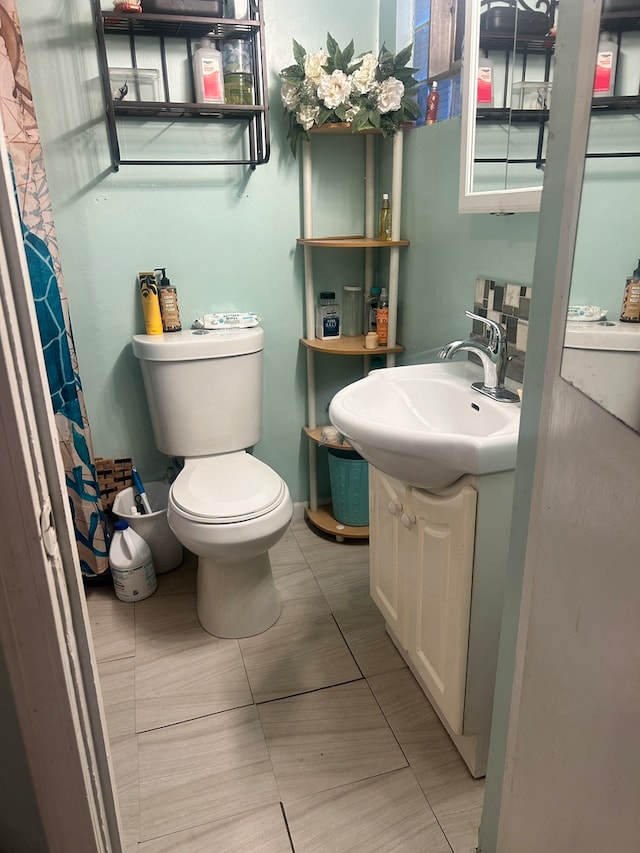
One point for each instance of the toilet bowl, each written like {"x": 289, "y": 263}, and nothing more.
{"x": 226, "y": 506}
{"x": 230, "y": 510}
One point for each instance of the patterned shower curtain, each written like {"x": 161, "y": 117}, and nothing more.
{"x": 34, "y": 208}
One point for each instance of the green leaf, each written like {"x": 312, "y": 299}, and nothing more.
{"x": 411, "y": 107}
{"x": 341, "y": 112}
{"x": 332, "y": 46}
{"x": 347, "y": 56}
{"x": 403, "y": 56}
{"x": 324, "y": 115}
{"x": 361, "y": 120}
{"x": 299, "y": 53}
{"x": 374, "y": 118}
{"x": 293, "y": 73}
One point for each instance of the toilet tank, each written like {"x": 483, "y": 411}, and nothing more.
{"x": 603, "y": 360}
{"x": 204, "y": 389}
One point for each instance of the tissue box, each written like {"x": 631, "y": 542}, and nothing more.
{"x": 143, "y": 84}
{"x": 531, "y": 95}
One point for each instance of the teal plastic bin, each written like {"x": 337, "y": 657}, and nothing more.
{"x": 349, "y": 478}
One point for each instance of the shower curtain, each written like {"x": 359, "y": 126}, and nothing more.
{"x": 34, "y": 208}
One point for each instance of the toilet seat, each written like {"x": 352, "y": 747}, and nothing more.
{"x": 226, "y": 489}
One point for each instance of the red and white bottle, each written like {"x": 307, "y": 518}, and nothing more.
{"x": 604, "y": 80}
{"x": 208, "y": 75}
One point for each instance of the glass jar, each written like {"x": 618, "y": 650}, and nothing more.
{"x": 352, "y": 312}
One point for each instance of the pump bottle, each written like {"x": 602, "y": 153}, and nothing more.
{"x": 168, "y": 298}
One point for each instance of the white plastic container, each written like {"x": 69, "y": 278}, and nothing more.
{"x": 485, "y": 82}
{"x": 167, "y": 553}
{"x": 605, "y": 77}
{"x": 134, "y": 577}
{"x": 208, "y": 76}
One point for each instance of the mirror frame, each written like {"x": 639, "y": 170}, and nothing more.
{"x": 520, "y": 200}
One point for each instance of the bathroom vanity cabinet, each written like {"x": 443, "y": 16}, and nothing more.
{"x": 365, "y": 242}
{"x": 437, "y": 570}
{"x": 162, "y": 93}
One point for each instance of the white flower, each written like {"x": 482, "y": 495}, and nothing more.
{"x": 314, "y": 64}
{"x": 390, "y": 95}
{"x": 352, "y": 112}
{"x": 306, "y": 116}
{"x": 289, "y": 96}
{"x": 364, "y": 76}
{"x": 334, "y": 89}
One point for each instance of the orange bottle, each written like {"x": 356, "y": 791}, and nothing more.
{"x": 382, "y": 317}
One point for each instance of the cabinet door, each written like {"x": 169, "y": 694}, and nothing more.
{"x": 441, "y": 558}
{"x": 387, "y": 571}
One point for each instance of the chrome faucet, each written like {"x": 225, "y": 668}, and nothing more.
{"x": 493, "y": 356}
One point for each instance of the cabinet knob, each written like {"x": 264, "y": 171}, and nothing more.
{"x": 407, "y": 520}
{"x": 394, "y": 507}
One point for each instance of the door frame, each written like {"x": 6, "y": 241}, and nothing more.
{"x": 43, "y": 615}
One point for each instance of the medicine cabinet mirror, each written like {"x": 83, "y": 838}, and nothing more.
{"x": 601, "y": 355}
{"x": 507, "y": 77}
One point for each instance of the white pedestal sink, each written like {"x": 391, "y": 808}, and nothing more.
{"x": 425, "y": 425}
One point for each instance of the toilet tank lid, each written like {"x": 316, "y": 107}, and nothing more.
{"x": 606, "y": 335}
{"x": 193, "y": 344}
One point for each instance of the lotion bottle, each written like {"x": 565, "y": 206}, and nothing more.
{"x": 208, "y": 77}
{"x": 168, "y": 299}
{"x": 150, "y": 303}
{"x": 605, "y": 76}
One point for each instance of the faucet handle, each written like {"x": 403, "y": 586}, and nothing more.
{"x": 497, "y": 332}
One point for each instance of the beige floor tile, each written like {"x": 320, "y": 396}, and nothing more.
{"x": 387, "y": 814}
{"x": 296, "y": 580}
{"x": 201, "y": 771}
{"x": 118, "y": 696}
{"x": 364, "y": 631}
{"x": 328, "y": 738}
{"x": 112, "y": 624}
{"x": 124, "y": 759}
{"x": 455, "y": 796}
{"x": 287, "y": 551}
{"x": 297, "y": 656}
{"x": 186, "y": 675}
{"x": 181, "y": 579}
{"x": 345, "y": 584}
{"x": 318, "y": 548}
{"x": 261, "y": 831}
{"x": 161, "y": 616}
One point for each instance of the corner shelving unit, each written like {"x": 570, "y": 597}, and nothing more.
{"x": 322, "y": 516}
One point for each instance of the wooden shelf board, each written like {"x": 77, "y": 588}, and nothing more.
{"x": 350, "y": 242}
{"x": 315, "y": 434}
{"x": 348, "y": 346}
{"x": 323, "y": 519}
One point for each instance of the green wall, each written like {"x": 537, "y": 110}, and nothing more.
{"x": 227, "y": 236}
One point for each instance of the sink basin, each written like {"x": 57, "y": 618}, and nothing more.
{"x": 425, "y": 425}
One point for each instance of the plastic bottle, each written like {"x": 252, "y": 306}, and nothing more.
{"x": 605, "y": 76}
{"x": 372, "y": 306}
{"x": 328, "y": 317}
{"x": 432, "y": 103}
{"x": 382, "y": 318}
{"x": 485, "y": 83}
{"x": 150, "y": 303}
{"x": 352, "y": 311}
{"x": 134, "y": 577}
{"x": 168, "y": 298}
{"x": 384, "y": 227}
{"x": 207, "y": 74}
{"x": 630, "y": 312}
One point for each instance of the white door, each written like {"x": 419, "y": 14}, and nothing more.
{"x": 565, "y": 774}
{"x": 387, "y": 568}
{"x": 43, "y": 620}
{"x": 441, "y": 574}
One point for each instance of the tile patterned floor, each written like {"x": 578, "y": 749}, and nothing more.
{"x": 310, "y": 738}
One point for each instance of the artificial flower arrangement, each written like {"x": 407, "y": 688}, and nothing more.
{"x": 330, "y": 86}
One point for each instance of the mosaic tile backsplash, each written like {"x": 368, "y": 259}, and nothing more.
{"x": 507, "y": 304}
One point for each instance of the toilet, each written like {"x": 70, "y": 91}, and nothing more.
{"x": 204, "y": 391}
{"x": 603, "y": 360}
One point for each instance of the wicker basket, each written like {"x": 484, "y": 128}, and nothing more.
{"x": 113, "y": 475}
